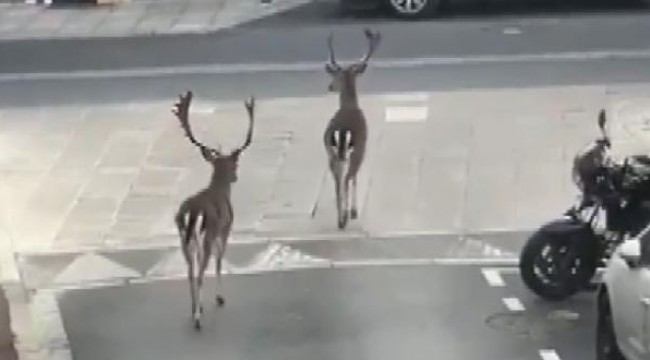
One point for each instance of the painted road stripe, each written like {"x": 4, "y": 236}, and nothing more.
{"x": 493, "y": 277}
{"x": 513, "y": 304}
{"x": 224, "y": 69}
{"x": 406, "y": 113}
{"x": 549, "y": 354}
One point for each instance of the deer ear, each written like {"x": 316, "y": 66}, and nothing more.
{"x": 207, "y": 155}
{"x": 330, "y": 69}
{"x": 360, "y": 69}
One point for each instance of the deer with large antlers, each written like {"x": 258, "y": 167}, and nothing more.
{"x": 346, "y": 134}
{"x": 204, "y": 219}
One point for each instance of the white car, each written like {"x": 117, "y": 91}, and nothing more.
{"x": 623, "y": 330}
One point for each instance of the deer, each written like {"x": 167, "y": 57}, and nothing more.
{"x": 346, "y": 133}
{"x": 204, "y": 219}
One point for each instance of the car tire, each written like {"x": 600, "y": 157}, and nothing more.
{"x": 427, "y": 8}
{"x": 606, "y": 346}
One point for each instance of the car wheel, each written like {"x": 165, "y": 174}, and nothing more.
{"x": 413, "y": 9}
{"x": 606, "y": 346}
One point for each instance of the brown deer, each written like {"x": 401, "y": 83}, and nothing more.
{"x": 346, "y": 134}
{"x": 204, "y": 219}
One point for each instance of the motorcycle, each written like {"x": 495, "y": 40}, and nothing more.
{"x": 561, "y": 257}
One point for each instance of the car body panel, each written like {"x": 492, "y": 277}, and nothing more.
{"x": 626, "y": 286}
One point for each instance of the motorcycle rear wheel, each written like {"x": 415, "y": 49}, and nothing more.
{"x": 554, "y": 278}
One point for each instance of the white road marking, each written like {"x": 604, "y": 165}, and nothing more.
{"x": 511, "y": 31}
{"x": 406, "y": 113}
{"x": 493, "y": 277}
{"x": 513, "y": 304}
{"x": 222, "y": 69}
{"x": 549, "y": 354}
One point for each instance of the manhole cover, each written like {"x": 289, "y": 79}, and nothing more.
{"x": 532, "y": 325}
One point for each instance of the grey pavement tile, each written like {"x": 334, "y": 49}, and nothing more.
{"x": 157, "y": 22}
{"x": 16, "y": 188}
{"x": 109, "y": 184}
{"x": 84, "y": 23}
{"x": 125, "y": 229}
{"x": 192, "y": 21}
{"x": 157, "y": 181}
{"x": 45, "y": 210}
{"x": 448, "y": 138}
{"x": 49, "y": 21}
{"x": 392, "y": 193}
{"x": 540, "y": 141}
{"x": 126, "y": 149}
{"x": 143, "y": 206}
{"x": 440, "y": 195}
{"x": 490, "y": 200}
{"x": 91, "y": 213}
{"x": 540, "y": 193}
{"x": 114, "y": 24}
{"x": 295, "y": 189}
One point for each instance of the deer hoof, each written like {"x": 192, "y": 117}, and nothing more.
{"x": 197, "y": 324}
{"x": 220, "y": 301}
{"x": 353, "y": 214}
{"x": 342, "y": 223}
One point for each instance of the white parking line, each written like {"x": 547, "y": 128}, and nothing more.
{"x": 513, "y": 304}
{"x": 549, "y": 354}
{"x": 493, "y": 277}
{"x": 406, "y": 113}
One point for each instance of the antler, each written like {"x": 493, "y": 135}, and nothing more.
{"x": 330, "y": 45}
{"x": 181, "y": 110}
{"x": 373, "y": 42}
{"x": 250, "y": 108}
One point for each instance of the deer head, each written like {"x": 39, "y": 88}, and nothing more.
{"x": 224, "y": 166}
{"x": 345, "y": 76}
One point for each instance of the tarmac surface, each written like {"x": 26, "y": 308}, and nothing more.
{"x": 367, "y": 312}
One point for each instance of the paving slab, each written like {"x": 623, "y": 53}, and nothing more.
{"x": 133, "y": 18}
{"x": 120, "y": 172}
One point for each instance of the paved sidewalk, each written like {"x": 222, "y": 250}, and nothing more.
{"x": 88, "y": 194}
{"x": 131, "y": 18}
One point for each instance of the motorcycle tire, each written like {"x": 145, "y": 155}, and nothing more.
{"x": 565, "y": 285}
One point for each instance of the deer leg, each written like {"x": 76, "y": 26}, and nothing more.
{"x": 341, "y": 196}
{"x": 353, "y": 211}
{"x": 203, "y": 259}
{"x": 187, "y": 249}
{"x": 217, "y": 263}
{"x": 335, "y": 170}
{"x": 220, "y": 252}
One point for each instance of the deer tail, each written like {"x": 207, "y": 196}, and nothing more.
{"x": 185, "y": 222}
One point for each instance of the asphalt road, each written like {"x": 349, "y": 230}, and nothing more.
{"x": 283, "y": 55}
{"x": 308, "y": 83}
{"x": 442, "y": 312}
{"x": 296, "y": 37}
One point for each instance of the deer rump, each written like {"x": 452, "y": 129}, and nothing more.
{"x": 341, "y": 141}
{"x": 193, "y": 224}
